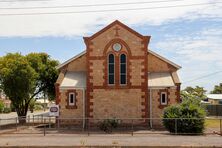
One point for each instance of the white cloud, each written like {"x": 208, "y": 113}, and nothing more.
{"x": 199, "y": 53}
{"x": 80, "y": 24}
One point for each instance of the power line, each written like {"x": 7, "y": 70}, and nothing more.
{"x": 202, "y": 77}
{"x": 91, "y": 5}
{"x": 105, "y": 10}
{"x": 10, "y": 1}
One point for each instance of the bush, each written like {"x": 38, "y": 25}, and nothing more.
{"x": 188, "y": 117}
{"x": 1, "y": 106}
{"x": 7, "y": 110}
{"x": 108, "y": 124}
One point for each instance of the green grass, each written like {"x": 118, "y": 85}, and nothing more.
{"x": 212, "y": 123}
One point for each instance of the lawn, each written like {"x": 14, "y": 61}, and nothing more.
{"x": 212, "y": 123}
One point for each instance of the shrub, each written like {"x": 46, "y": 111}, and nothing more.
{"x": 7, "y": 110}
{"x": 187, "y": 117}
{"x": 108, "y": 124}
{"x": 1, "y": 106}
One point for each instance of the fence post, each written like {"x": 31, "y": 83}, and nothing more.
{"x": 16, "y": 123}
{"x": 132, "y": 127}
{"x": 175, "y": 125}
{"x": 33, "y": 118}
{"x": 220, "y": 128}
{"x": 58, "y": 124}
{"x": 50, "y": 122}
{"x": 29, "y": 119}
{"x": 42, "y": 119}
{"x": 44, "y": 127}
{"x": 88, "y": 126}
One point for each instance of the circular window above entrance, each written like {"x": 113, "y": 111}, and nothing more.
{"x": 117, "y": 46}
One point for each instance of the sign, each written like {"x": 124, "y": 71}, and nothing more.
{"x": 54, "y": 110}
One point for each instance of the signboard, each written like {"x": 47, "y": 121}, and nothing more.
{"x": 54, "y": 110}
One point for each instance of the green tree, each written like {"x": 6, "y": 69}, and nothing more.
{"x": 23, "y": 78}
{"x": 1, "y": 106}
{"x": 196, "y": 92}
{"x": 187, "y": 117}
{"x": 217, "y": 89}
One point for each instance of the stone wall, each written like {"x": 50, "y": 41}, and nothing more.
{"x": 77, "y": 65}
{"x": 157, "y": 108}
{"x": 155, "y": 64}
{"x": 123, "y": 101}
{"x": 67, "y": 113}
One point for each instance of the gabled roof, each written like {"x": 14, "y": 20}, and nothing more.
{"x": 72, "y": 59}
{"x": 116, "y": 22}
{"x": 149, "y": 51}
{"x": 164, "y": 59}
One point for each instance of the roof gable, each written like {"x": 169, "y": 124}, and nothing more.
{"x": 164, "y": 59}
{"x": 116, "y": 22}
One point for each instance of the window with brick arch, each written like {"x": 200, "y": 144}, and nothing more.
{"x": 111, "y": 69}
{"x": 123, "y": 69}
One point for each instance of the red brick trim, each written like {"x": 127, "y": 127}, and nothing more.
{"x": 89, "y": 85}
{"x": 57, "y": 93}
{"x": 67, "y": 99}
{"x": 113, "y": 24}
{"x": 177, "y": 93}
{"x": 117, "y": 40}
{"x": 161, "y": 106}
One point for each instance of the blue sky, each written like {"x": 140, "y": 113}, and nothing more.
{"x": 190, "y": 37}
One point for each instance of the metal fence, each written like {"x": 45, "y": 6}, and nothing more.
{"x": 214, "y": 110}
{"x": 39, "y": 124}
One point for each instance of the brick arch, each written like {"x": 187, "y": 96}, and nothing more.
{"x": 117, "y": 40}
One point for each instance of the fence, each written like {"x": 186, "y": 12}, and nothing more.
{"x": 214, "y": 110}
{"x": 51, "y": 125}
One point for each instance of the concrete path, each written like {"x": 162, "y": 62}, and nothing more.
{"x": 113, "y": 140}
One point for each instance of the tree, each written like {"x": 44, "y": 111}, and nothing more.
{"x": 1, "y": 106}
{"x": 187, "y": 117}
{"x": 23, "y": 78}
{"x": 196, "y": 92}
{"x": 217, "y": 89}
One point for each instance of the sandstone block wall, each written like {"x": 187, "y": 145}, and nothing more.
{"x": 66, "y": 114}
{"x": 157, "y": 109}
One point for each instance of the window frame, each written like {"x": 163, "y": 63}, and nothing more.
{"x": 161, "y": 98}
{"x": 74, "y": 99}
{"x": 120, "y": 74}
{"x": 108, "y": 73}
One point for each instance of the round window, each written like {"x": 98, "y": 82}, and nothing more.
{"x": 116, "y": 47}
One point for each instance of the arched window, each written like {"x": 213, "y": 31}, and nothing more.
{"x": 122, "y": 69}
{"x": 111, "y": 69}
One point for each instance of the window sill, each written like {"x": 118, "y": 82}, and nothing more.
{"x": 161, "y": 106}
{"x": 71, "y": 107}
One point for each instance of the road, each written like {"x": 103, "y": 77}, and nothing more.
{"x": 12, "y": 117}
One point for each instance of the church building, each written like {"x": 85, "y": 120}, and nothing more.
{"x": 117, "y": 76}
